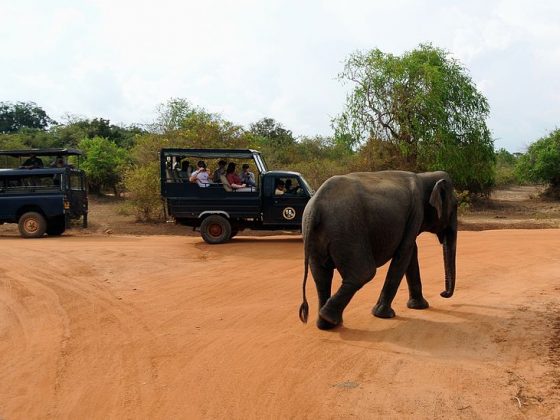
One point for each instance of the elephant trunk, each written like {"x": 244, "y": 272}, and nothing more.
{"x": 449, "y": 254}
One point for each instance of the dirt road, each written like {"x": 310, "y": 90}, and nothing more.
{"x": 169, "y": 327}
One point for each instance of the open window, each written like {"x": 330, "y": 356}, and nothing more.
{"x": 177, "y": 166}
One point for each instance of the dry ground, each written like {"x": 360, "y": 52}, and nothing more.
{"x": 517, "y": 207}
{"x": 113, "y": 326}
{"x": 110, "y": 323}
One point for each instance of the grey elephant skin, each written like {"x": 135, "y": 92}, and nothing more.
{"x": 356, "y": 223}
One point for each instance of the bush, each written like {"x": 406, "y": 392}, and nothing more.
{"x": 505, "y": 168}
{"x": 103, "y": 164}
{"x": 143, "y": 184}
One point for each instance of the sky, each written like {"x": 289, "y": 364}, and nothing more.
{"x": 246, "y": 60}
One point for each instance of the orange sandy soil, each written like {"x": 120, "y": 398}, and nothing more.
{"x": 112, "y": 326}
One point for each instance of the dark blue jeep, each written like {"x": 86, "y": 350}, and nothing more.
{"x": 41, "y": 198}
{"x": 221, "y": 208}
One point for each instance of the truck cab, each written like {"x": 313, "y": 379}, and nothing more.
{"x": 41, "y": 197}
{"x": 220, "y": 211}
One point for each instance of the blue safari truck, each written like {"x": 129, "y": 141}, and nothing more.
{"x": 218, "y": 206}
{"x": 41, "y": 191}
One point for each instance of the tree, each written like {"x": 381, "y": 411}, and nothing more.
{"x": 426, "y": 104}
{"x": 20, "y": 115}
{"x": 71, "y": 133}
{"x": 172, "y": 113}
{"x": 274, "y": 140}
{"x": 273, "y": 131}
{"x": 103, "y": 164}
{"x": 541, "y": 163}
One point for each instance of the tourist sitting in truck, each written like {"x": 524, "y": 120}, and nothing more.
{"x": 234, "y": 179}
{"x": 32, "y": 163}
{"x": 186, "y": 171}
{"x": 247, "y": 177}
{"x": 219, "y": 172}
{"x": 200, "y": 176}
{"x": 59, "y": 163}
{"x": 280, "y": 188}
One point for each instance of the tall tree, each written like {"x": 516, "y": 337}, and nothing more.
{"x": 20, "y": 115}
{"x": 426, "y": 104}
{"x": 171, "y": 114}
{"x": 273, "y": 131}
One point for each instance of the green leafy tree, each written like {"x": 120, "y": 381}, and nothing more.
{"x": 29, "y": 138}
{"x": 425, "y": 103}
{"x": 20, "y": 115}
{"x": 104, "y": 163}
{"x": 273, "y": 132}
{"x": 274, "y": 140}
{"x": 541, "y": 163}
{"x": 172, "y": 114}
{"x": 75, "y": 130}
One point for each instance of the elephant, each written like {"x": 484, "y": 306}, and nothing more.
{"x": 356, "y": 223}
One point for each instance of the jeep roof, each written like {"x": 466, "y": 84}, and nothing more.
{"x": 41, "y": 152}
{"x": 34, "y": 171}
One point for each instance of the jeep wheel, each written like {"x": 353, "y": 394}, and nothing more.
{"x": 32, "y": 225}
{"x": 56, "y": 226}
{"x": 215, "y": 229}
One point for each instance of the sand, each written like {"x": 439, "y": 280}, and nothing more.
{"x": 170, "y": 327}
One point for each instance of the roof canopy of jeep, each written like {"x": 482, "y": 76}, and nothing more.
{"x": 41, "y": 152}
{"x": 218, "y": 154}
{"x": 34, "y": 172}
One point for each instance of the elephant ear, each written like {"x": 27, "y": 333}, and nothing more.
{"x": 437, "y": 197}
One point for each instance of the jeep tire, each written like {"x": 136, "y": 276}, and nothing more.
{"x": 215, "y": 229}
{"x": 32, "y": 225}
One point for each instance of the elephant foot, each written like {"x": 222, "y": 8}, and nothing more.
{"x": 418, "y": 303}
{"x": 323, "y": 324}
{"x": 383, "y": 311}
{"x": 328, "y": 319}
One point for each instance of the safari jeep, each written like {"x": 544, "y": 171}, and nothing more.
{"x": 220, "y": 211}
{"x": 41, "y": 192}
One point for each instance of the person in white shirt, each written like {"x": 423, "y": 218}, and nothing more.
{"x": 280, "y": 188}
{"x": 200, "y": 176}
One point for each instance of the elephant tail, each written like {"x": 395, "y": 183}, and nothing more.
{"x": 304, "y": 308}
{"x": 310, "y": 219}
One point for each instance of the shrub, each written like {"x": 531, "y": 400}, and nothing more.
{"x": 143, "y": 184}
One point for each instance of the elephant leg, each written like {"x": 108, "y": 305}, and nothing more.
{"x": 397, "y": 268}
{"x": 323, "y": 282}
{"x": 356, "y": 269}
{"x": 416, "y": 300}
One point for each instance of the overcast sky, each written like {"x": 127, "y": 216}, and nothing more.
{"x": 246, "y": 60}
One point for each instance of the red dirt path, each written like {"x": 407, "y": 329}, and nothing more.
{"x": 169, "y": 327}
